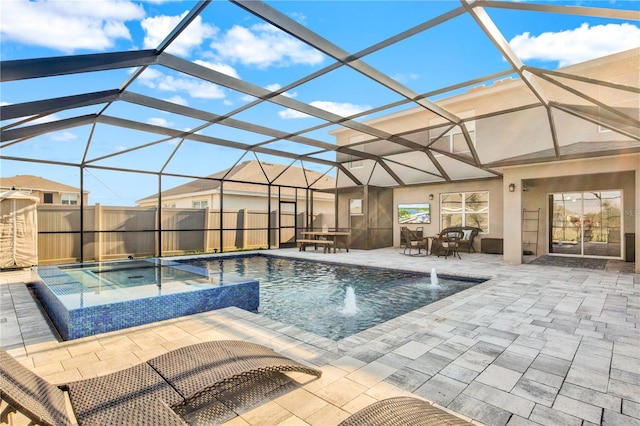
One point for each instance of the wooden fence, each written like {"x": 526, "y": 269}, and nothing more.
{"x": 115, "y": 232}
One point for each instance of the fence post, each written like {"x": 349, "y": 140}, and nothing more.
{"x": 245, "y": 217}
{"x": 98, "y": 230}
{"x": 205, "y": 238}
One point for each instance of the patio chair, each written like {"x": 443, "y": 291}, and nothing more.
{"x": 403, "y": 411}
{"x": 448, "y": 243}
{"x": 411, "y": 242}
{"x": 140, "y": 395}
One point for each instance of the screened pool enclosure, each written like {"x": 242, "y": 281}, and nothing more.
{"x": 309, "y": 108}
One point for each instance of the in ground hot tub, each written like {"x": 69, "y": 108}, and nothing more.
{"x": 83, "y": 300}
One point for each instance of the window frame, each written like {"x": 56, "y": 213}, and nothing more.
{"x": 69, "y": 199}
{"x": 463, "y": 210}
{"x": 450, "y": 139}
{"x": 198, "y": 204}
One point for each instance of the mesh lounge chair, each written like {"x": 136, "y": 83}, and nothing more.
{"x": 403, "y": 411}
{"x": 141, "y": 395}
{"x": 203, "y": 367}
{"x": 137, "y": 395}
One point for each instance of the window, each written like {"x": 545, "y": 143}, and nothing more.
{"x": 453, "y": 141}
{"x": 70, "y": 199}
{"x": 355, "y": 206}
{"x": 356, "y": 162}
{"x": 465, "y": 209}
{"x": 200, "y": 204}
{"x": 48, "y": 198}
{"x": 356, "y": 216}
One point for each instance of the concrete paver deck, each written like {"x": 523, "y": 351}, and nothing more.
{"x": 532, "y": 345}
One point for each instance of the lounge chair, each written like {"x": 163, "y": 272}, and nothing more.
{"x": 403, "y": 411}
{"x": 411, "y": 241}
{"x": 146, "y": 394}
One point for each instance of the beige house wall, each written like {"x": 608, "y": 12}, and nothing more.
{"x": 322, "y": 203}
{"x": 420, "y": 194}
{"x": 619, "y": 172}
{"x": 57, "y": 196}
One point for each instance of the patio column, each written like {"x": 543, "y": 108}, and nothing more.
{"x": 636, "y": 215}
{"x": 512, "y": 220}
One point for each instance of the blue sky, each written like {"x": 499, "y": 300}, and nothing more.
{"x": 230, "y": 40}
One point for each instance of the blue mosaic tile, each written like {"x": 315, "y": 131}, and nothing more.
{"x": 91, "y": 320}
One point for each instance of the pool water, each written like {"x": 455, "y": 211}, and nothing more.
{"x": 102, "y": 283}
{"x": 332, "y": 300}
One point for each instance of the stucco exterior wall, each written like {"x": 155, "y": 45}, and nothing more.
{"x": 619, "y": 172}
{"x": 420, "y": 194}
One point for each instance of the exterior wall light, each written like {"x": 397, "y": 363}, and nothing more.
{"x": 431, "y": 196}
{"x": 512, "y": 187}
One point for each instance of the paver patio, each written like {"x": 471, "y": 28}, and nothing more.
{"x": 534, "y": 344}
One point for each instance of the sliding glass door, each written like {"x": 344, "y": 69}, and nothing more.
{"x": 586, "y": 223}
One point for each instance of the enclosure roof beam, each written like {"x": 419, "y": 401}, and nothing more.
{"x": 221, "y": 119}
{"x": 179, "y": 134}
{"x": 216, "y": 77}
{"x": 40, "y": 129}
{"x": 48, "y": 106}
{"x": 24, "y": 69}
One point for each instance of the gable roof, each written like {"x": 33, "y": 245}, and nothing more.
{"x": 36, "y": 183}
{"x": 241, "y": 177}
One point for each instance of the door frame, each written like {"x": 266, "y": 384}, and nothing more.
{"x": 281, "y": 227}
{"x": 581, "y": 217}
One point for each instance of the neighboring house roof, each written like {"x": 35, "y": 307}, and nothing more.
{"x": 36, "y": 183}
{"x": 573, "y": 151}
{"x": 237, "y": 180}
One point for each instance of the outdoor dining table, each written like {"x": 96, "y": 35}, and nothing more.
{"x": 338, "y": 237}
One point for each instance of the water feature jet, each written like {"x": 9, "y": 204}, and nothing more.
{"x": 350, "y": 307}
{"x": 434, "y": 278}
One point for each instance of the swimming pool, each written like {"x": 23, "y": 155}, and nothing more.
{"x": 333, "y": 300}
{"x": 88, "y": 299}
{"x": 327, "y": 299}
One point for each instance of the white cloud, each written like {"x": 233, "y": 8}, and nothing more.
{"x": 158, "y": 122}
{"x": 63, "y": 136}
{"x": 275, "y": 86}
{"x": 68, "y": 25}
{"x": 576, "y": 45}
{"x": 177, "y": 99}
{"x": 220, "y": 67}
{"x": 46, "y": 119}
{"x": 272, "y": 87}
{"x": 341, "y": 109}
{"x": 264, "y": 45}
{"x": 195, "y": 88}
{"x": 157, "y": 28}
{"x": 405, "y": 78}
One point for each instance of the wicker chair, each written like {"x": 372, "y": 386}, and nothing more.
{"x": 145, "y": 394}
{"x": 411, "y": 241}
{"x": 137, "y": 395}
{"x": 403, "y": 411}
